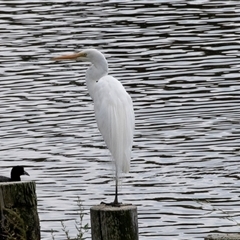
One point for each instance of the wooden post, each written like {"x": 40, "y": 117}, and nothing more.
{"x": 223, "y": 237}
{"x": 18, "y": 211}
{"x": 118, "y": 223}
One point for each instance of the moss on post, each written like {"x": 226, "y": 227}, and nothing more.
{"x": 223, "y": 237}
{"x": 18, "y": 211}
{"x": 118, "y": 223}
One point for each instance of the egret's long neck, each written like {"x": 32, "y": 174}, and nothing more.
{"x": 94, "y": 73}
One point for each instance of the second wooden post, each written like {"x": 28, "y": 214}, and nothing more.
{"x": 118, "y": 223}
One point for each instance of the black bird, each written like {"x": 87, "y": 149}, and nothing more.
{"x": 16, "y": 172}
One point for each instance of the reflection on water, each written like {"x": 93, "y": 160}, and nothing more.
{"x": 179, "y": 61}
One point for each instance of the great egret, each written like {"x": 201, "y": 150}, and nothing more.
{"x": 16, "y": 172}
{"x": 113, "y": 109}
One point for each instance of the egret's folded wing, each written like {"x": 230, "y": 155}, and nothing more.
{"x": 115, "y": 119}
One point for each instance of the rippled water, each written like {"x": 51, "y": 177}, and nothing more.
{"x": 179, "y": 60}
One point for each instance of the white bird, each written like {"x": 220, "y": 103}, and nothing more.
{"x": 113, "y": 110}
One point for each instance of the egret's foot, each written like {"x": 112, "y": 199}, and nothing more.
{"x": 113, "y": 204}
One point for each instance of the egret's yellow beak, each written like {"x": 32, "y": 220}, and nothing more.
{"x": 73, "y": 56}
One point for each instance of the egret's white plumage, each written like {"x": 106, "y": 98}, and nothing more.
{"x": 115, "y": 120}
{"x": 113, "y": 109}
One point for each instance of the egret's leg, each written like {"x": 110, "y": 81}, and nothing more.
{"x": 115, "y": 202}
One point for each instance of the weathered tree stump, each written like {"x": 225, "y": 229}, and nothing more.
{"x": 18, "y": 211}
{"x": 223, "y": 237}
{"x": 118, "y": 223}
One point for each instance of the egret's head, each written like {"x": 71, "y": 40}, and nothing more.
{"x": 88, "y": 55}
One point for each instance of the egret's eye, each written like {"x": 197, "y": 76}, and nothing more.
{"x": 82, "y": 54}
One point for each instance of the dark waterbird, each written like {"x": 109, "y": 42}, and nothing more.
{"x": 16, "y": 172}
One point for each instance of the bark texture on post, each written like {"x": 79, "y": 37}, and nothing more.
{"x": 118, "y": 223}
{"x": 18, "y": 211}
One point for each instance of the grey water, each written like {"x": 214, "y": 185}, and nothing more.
{"x": 179, "y": 61}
